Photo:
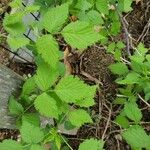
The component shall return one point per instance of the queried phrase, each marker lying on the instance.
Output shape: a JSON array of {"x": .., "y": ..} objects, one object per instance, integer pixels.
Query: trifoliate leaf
[
  {"x": 80, "y": 34},
  {"x": 133, "y": 112},
  {"x": 10, "y": 145},
  {"x": 13, "y": 24},
  {"x": 30, "y": 133},
  {"x": 72, "y": 89},
  {"x": 49, "y": 50},
  {"x": 102, "y": 6},
  {"x": 37, "y": 147},
  {"x": 54, "y": 18},
  {"x": 119, "y": 68},
  {"x": 92, "y": 144},
  {"x": 136, "y": 137},
  {"x": 46, "y": 105},
  {"x": 15, "y": 107},
  {"x": 17, "y": 42},
  {"x": 93, "y": 17},
  {"x": 79, "y": 121},
  {"x": 45, "y": 76},
  {"x": 131, "y": 78},
  {"x": 28, "y": 87}
]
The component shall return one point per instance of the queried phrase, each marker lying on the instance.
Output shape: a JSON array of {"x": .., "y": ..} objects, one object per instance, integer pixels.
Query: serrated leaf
[
  {"x": 10, "y": 145},
  {"x": 93, "y": 17},
  {"x": 30, "y": 133},
  {"x": 85, "y": 102},
  {"x": 37, "y": 147},
  {"x": 17, "y": 42},
  {"x": 54, "y": 18},
  {"x": 79, "y": 117},
  {"x": 122, "y": 121},
  {"x": 45, "y": 76},
  {"x": 32, "y": 118},
  {"x": 92, "y": 144},
  {"x": 102, "y": 6},
  {"x": 15, "y": 107},
  {"x": 72, "y": 89},
  {"x": 31, "y": 8},
  {"x": 13, "y": 24},
  {"x": 49, "y": 50},
  {"x": 15, "y": 4},
  {"x": 141, "y": 49},
  {"x": 28, "y": 87},
  {"x": 83, "y": 5},
  {"x": 133, "y": 112},
  {"x": 119, "y": 68},
  {"x": 136, "y": 137},
  {"x": 46, "y": 105},
  {"x": 125, "y": 5},
  {"x": 131, "y": 78},
  {"x": 80, "y": 34}
]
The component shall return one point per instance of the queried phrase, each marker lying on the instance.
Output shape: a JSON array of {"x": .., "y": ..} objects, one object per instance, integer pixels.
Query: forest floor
[{"x": 92, "y": 66}]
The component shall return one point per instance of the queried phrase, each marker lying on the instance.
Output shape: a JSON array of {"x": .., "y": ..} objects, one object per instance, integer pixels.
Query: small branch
[{"x": 144, "y": 100}]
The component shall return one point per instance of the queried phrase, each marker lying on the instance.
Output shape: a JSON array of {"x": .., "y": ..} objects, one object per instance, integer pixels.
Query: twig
[
  {"x": 125, "y": 30},
  {"x": 143, "y": 100},
  {"x": 107, "y": 124}
]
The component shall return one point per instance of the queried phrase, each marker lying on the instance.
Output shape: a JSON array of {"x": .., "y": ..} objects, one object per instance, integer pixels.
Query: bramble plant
[{"x": 65, "y": 98}]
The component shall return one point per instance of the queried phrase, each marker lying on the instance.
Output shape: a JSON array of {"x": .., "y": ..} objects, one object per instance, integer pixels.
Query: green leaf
[
  {"x": 136, "y": 137},
  {"x": 46, "y": 105},
  {"x": 10, "y": 145},
  {"x": 36, "y": 147},
  {"x": 15, "y": 108},
  {"x": 119, "y": 100},
  {"x": 131, "y": 78},
  {"x": 133, "y": 112},
  {"x": 17, "y": 42},
  {"x": 122, "y": 121},
  {"x": 92, "y": 17},
  {"x": 86, "y": 102},
  {"x": 55, "y": 18},
  {"x": 32, "y": 118},
  {"x": 119, "y": 68},
  {"x": 72, "y": 89},
  {"x": 45, "y": 76},
  {"x": 13, "y": 24},
  {"x": 141, "y": 49},
  {"x": 125, "y": 5},
  {"x": 49, "y": 50},
  {"x": 111, "y": 47},
  {"x": 28, "y": 87},
  {"x": 102, "y": 6},
  {"x": 80, "y": 34},
  {"x": 31, "y": 8},
  {"x": 30, "y": 133},
  {"x": 120, "y": 45},
  {"x": 79, "y": 117},
  {"x": 92, "y": 144},
  {"x": 83, "y": 5},
  {"x": 15, "y": 4}
]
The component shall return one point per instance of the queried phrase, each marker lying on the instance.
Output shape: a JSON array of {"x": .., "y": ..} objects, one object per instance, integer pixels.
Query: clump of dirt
[{"x": 139, "y": 22}]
